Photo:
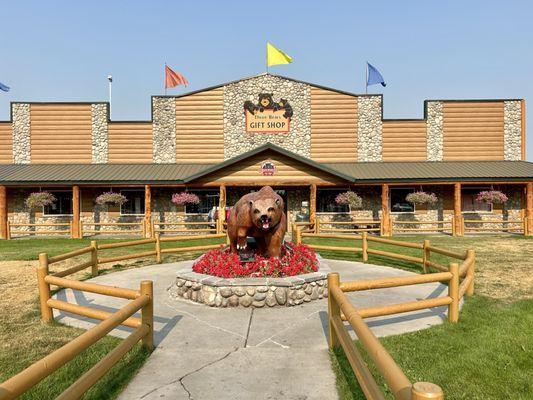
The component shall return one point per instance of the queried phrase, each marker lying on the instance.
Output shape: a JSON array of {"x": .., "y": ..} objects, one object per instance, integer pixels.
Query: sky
[{"x": 64, "y": 50}]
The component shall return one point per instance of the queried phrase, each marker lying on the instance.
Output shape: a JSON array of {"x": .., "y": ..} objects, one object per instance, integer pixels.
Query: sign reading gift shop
[{"x": 267, "y": 116}]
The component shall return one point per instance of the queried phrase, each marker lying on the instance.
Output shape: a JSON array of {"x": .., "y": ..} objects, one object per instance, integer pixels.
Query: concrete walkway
[{"x": 281, "y": 353}]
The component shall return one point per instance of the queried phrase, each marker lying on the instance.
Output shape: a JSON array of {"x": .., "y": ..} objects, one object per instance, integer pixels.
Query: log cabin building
[{"x": 307, "y": 141}]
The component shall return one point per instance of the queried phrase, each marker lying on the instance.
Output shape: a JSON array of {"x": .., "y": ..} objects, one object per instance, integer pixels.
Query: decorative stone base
[{"x": 252, "y": 292}]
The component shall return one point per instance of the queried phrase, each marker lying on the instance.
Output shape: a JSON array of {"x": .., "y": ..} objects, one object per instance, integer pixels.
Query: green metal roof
[{"x": 367, "y": 172}]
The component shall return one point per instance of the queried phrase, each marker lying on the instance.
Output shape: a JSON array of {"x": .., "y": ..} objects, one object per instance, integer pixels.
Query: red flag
[{"x": 173, "y": 78}]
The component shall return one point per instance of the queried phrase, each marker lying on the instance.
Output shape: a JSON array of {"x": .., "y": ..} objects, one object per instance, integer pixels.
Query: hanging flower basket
[
  {"x": 351, "y": 199},
  {"x": 111, "y": 198},
  {"x": 492, "y": 197},
  {"x": 421, "y": 197},
  {"x": 39, "y": 199},
  {"x": 183, "y": 198}
]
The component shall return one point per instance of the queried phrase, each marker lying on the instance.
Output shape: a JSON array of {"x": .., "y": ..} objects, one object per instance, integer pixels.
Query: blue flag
[
  {"x": 4, "y": 87},
  {"x": 374, "y": 77}
]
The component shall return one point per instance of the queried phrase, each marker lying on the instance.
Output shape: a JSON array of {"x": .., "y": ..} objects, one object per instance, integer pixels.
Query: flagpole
[
  {"x": 165, "y": 78},
  {"x": 266, "y": 58},
  {"x": 110, "y": 83},
  {"x": 366, "y": 78}
]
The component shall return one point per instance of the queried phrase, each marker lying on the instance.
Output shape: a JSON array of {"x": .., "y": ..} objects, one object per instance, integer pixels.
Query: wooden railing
[
  {"x": 415, "y": 226},
  {"x": 458, "y": 277},
  {"x": 38, "y": 229},
  {"x": 141, "y": 299},
  {"x": 521, "y": 228},
  {"x": 355, "y": 226},
  {"x": 200, "y": 227},
  {"x": 121, "y": 228}
]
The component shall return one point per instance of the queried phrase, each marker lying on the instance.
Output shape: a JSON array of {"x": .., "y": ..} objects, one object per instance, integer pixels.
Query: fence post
[
  {"x": 317, "y": 226},
  {"x": 453, "y": 226},
  {"x": 8, "y": 232},
  {"x": 453, "y": 292},
  {"x": 152, "y": 227},
  {"x": 365, "y": 246},
  {"x": 44, "y": 288},
  {"x": 471, "y": 271},
  {"x": 333, "y": 309},
  {"x": 426, "y": 391},
  {"x": 94, "y": 258},
  {"x": 426, "y": 256},
  {"x": 158, "y": 248},
  {"x": 147, "y": 313},
  {"x": 298, "y": 235},
  {"x": 143, "y": 227}
]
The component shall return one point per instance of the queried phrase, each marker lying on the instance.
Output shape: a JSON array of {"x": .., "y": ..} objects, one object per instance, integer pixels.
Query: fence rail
[
  {"x": 460, "y": 280},
  {"x": 140, "y": 225}
]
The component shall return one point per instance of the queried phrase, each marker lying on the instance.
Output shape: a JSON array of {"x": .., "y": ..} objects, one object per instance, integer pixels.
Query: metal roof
[{"x": 364, "y": 172}]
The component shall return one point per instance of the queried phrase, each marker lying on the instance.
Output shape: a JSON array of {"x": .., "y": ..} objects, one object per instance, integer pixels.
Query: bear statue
[{"x": 260, "y": 215}]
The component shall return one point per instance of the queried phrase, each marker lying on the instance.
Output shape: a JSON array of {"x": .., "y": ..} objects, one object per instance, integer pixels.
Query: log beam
[
  {"x": 75, "y": 212},
  {"x": 458, "y": 217},
  {"x": 385, "y": 210},
  {"x": 148, "y": 210},
  {"x": 221, "y": 207},
  {"x": 3, "y": 212},
  {"x": 529, "y": 208},
  {"x": 312, "y": 203}
]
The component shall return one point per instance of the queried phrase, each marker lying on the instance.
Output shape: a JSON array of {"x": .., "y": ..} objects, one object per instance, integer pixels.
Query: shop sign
[
  {"x": 267, "y": 116},
  {"x": 268, "y": 168}
]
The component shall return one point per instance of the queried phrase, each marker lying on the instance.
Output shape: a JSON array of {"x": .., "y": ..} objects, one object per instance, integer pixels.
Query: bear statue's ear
[
  {"x": 278, "y": 201},
  {"x": 251, "y": 203}
]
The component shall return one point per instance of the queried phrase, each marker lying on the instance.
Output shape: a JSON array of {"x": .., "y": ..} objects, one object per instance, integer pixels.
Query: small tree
[
  {"x": 492, "y": 197},
  {"x": 183, "y": 198},
  {"x": 111, "y": 198},
  {"x": 39, "y": 199},
  {"x": 349, "y": 198},
  {"x": 421, "y": 197}
]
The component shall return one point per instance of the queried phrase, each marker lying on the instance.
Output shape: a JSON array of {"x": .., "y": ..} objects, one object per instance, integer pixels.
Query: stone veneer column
[
  {"x": 434, "y": 131},
  {"x": 164, "y": 130},
  {"x": 512, "y": 130},
  {"x": 298, "y": 94},
  {"x": 100, "y": 141},
  {"x": 21, "y": 133},
  {"x": 369, "y": 129}
]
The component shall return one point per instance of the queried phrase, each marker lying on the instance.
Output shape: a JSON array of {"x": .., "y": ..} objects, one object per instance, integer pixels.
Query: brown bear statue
[{"x": 260, "y": 215}]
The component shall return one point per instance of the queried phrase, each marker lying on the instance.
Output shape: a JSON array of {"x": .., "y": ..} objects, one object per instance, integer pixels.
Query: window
[
  {"x": 208, "y": 200},
  {"x": 469, "y": 203},
  {"x": 63, "y": 205},
  {"x": 397, "y": 200},
  {"x": 325, "y": 201},
  {"x": 135, "y": 203}
]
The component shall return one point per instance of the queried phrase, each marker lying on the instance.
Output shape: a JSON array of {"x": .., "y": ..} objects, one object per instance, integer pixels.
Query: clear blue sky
[{"x": 63, "y": 51}]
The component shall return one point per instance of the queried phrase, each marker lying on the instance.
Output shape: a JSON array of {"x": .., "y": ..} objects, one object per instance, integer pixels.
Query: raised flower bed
[{"x": 219, "y": 279}]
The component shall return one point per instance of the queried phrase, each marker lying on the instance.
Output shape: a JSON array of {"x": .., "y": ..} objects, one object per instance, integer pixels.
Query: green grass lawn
[{"x": 489, "y": 353}]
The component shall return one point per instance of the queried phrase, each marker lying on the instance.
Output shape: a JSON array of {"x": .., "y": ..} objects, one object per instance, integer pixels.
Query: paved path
[{"x": 280, "y": 353}]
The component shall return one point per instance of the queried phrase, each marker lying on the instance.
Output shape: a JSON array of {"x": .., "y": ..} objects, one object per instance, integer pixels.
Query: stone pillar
[
  {"x": 312, "y": 203},
  {"x": 512, "y": 130},
  {"x": 457, "y": 215},
  {"x": 385, "y": 211},
  {"x": 369, "y": 129},
  {"x": 148, "y": 210},
  {"x": 99, "y": 134},
  {"x": 3, "y": 212},
  {"x": 434, "y": 131},
  {"x": 21, "y": 133},
  {"x": 164, "y": 130},
  {"x": 529, "y": 208},
  {"x": 75, "y": 212}
]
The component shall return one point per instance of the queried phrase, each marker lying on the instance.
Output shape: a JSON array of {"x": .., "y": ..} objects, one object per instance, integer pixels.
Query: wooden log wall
[
  {"x": 473, "y": 130},
  {"x": 6, "y": 143},
  {"x": 130, "y": 142},
  {"x": 61, "y": 133},
  {"x": 200, "y": 127},
  {"x": 404, "y": 140},
  {"x": 333, "y": 126}
]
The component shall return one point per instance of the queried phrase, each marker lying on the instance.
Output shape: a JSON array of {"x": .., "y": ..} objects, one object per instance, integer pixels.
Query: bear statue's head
[
  {"x": 267, "y": 211},
  {"x": 265, "y": 100}
]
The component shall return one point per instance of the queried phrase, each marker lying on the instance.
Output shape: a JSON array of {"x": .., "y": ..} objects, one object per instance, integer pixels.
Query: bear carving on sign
[{"x": 259, "y": 215}]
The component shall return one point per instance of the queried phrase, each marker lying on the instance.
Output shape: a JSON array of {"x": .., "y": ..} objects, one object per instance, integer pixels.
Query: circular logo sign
[{"x": 268, "y": 168}]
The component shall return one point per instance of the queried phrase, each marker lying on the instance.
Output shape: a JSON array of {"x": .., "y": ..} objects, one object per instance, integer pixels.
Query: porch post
[
  {"x": 222, "y": 207},
  {"x": 385, "y": 211},
  {"x": 312, "y": 204},
  {"x": 457, "y": 216},
  {"x": 529, "y": 208},
  {"x": 148, "y": 210},
  {"x": 75, "y": 212},
  {"x": 3, "y": 212}
]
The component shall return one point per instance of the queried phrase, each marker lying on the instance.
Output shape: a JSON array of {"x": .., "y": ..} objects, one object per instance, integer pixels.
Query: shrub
[
  {"x": 296, "y": 260},
  {"x": 349, "y": 198},
  {"x": 40, "y": 199},
  {"x": 183, "y": 198},
  {"x": 492, "y": 196},
  {"x": 421, "y": 197},
  {"x": 111, "y": 198}
]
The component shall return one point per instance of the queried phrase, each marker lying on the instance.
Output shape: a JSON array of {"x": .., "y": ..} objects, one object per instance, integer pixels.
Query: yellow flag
[{"x": 276, "y": 56}]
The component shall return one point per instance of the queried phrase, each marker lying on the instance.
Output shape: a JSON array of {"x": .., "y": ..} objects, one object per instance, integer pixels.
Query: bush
[
  {"x": 349, "y": 198},
  {"x": 183, "y": 198},
  {"x": 111, "y": 198},
  {"x": 40, "y": 199}
]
